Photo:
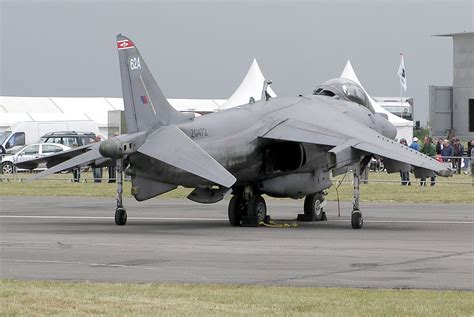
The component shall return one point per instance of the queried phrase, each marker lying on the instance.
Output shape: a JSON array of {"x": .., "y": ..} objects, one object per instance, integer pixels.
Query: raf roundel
[{"x": 124, "y": 44}]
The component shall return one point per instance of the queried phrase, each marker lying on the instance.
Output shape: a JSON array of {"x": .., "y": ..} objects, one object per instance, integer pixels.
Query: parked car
[
  {"x": 30, "y": 152},
  {"x": 69, "y": 138}
]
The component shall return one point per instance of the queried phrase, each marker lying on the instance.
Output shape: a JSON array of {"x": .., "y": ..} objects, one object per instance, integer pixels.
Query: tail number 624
[{"x": 135, "y": 63}]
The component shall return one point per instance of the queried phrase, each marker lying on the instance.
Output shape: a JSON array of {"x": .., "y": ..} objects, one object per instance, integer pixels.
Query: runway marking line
[
  {"x": 223, "y": 219},
  {"x": 81, "y": 263}
]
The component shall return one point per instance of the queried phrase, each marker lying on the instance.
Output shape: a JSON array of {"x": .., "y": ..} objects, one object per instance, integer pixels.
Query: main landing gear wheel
[
  {"x": 257, "y": 208},
  {"x": 313, "y": 211},
  {"x": 247, "y": 212},
  {"x": 237, "y": 208},
  {"x": 120, "y": 216},
  {"x": 356, "y": 219}
]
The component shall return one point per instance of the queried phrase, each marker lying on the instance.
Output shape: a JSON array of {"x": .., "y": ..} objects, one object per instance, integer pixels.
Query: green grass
[
  {"x": 382, "y": 187},
  {"x": 27, "y": 298}
]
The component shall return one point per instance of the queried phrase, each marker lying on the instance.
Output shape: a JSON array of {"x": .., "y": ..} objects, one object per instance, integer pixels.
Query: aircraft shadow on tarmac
[{"x": 181, "y": 227}]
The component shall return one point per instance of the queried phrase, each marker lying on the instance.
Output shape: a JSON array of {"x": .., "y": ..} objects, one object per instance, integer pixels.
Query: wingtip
[{"x": 230, "y": 182}]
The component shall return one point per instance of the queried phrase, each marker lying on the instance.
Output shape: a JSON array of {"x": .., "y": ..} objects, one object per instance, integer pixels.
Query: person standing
[
  {"x": 405, "y": 176},
  {"x": 469, "y": 159},
  {"x": 458, "y": 150},
  {"x": 111, "y": 166},
  {"x": 415, "y": 145},
  {"x": 97, "y": 171},
  {"x": 430, "y": 150},
  {"x": 447, "y": 152},
  {"x": 439, "y": 146},
  {"x": 76, "y": 171}
]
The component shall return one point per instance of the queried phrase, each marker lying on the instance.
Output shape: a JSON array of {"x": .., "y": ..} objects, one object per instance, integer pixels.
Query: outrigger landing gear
[
  {"x": 120, "y": 212},
  {"x": 313, "y": 208},
  {"x": 356, "y": 216},
  {"x": 246, "y": 209}
]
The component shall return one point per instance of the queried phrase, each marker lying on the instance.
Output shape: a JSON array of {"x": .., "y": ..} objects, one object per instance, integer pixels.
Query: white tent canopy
[
  {"x": 250, "y": 87},
  {"x": 404, "y": 127}
]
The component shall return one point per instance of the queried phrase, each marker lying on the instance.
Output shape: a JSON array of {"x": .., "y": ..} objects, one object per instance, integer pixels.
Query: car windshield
[{"x": 4, "y": 135}]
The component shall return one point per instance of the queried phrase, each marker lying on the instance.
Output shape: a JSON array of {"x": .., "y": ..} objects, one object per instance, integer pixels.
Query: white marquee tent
[{"x": 250, "y": 87}]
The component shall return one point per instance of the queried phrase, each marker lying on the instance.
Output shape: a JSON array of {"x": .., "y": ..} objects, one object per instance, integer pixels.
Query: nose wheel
[{"x": 356, "y": 216}]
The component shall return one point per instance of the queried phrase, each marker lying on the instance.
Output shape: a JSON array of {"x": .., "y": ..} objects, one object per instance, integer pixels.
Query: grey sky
[{"x": 202, "y": 49}]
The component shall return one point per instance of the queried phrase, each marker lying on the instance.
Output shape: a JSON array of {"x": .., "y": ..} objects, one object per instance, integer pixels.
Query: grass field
[
  {"x": 28, "y": 298},
  {"x": 381, "y": 187}
]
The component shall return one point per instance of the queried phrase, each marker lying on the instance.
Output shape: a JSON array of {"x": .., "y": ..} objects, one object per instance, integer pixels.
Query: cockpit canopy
[{"x": 344, "y": 89}]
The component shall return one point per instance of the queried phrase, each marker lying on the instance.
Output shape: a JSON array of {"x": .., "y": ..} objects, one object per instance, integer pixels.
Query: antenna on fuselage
[{"x": 265, "y": 94}]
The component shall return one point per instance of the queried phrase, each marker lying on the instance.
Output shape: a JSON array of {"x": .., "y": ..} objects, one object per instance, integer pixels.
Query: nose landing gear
[{"x": 356, "y": 216}]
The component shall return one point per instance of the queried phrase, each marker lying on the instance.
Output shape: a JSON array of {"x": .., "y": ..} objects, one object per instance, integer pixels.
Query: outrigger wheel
[
  {"x": 120, "y": 216},
  {"x": 356, "y": 219}
]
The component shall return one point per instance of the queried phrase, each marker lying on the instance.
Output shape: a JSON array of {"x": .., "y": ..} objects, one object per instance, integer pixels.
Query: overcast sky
[{"x": 202, "y": 49}]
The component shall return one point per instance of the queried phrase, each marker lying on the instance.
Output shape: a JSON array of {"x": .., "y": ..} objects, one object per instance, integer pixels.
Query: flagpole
[
  {"x": 401, "y": 91},
  {"x": 401, "y": 99}
]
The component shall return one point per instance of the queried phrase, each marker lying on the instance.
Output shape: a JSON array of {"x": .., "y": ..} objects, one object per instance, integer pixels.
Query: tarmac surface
[{"x": 402, "y": 245}]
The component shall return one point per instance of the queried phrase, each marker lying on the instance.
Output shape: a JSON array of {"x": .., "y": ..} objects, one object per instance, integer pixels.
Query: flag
[
  {"x": 402, "y": 74},
  {"x": 124, "y": 44}
]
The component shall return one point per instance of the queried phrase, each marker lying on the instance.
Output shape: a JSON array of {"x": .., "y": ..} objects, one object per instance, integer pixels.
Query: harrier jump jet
[{"x": 281, "y": 147}]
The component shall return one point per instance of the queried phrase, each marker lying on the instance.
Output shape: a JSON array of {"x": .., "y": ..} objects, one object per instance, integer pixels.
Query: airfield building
[{"x": 452, "y": 107}]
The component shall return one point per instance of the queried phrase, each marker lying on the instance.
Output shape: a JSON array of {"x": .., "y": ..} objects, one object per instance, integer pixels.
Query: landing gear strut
[
  {"x": 313, "y": 208},
  {"x": 120, "y": 212},
  {"x": 356, "y": 216},
  {"x": 246, "y": 209}
]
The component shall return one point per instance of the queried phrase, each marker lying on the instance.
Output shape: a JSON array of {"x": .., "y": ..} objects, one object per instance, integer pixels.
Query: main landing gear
[
  {"x": 120, "y": 212},
  {"x": 246, "y": 209}
]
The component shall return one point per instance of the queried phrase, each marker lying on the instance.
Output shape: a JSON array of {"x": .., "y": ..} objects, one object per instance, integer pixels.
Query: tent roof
[
  {"x": 349, "y": 73},
  {"x": 251, "y": 86}
]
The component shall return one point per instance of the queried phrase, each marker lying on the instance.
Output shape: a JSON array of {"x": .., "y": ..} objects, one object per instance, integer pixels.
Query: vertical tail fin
[{"x": 144, "y": 103}]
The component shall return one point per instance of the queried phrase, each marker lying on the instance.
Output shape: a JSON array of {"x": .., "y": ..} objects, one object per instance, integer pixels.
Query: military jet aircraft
[{"x": 281, "y": 147}]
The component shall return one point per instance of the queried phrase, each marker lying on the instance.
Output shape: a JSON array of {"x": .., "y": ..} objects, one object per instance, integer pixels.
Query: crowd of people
[{"x": 443, "y": 151}]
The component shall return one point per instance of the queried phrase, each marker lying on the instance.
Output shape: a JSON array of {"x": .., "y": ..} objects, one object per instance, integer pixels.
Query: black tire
[
  {"x": 257, "y": 208},
  {"x": 356, "y": 219},
  {"x": 7, "y": 168},
  {"x": 236, "y": 206},
  {"x": 312, "y": 206},
  {"x": 120, "y": 216}
]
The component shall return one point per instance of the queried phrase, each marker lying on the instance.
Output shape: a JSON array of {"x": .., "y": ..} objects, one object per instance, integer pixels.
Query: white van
[{"x": 28, "y": 132}]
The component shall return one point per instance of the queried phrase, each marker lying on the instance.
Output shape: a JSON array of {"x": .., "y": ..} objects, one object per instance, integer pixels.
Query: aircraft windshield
[{"x": 344, "y": 89}]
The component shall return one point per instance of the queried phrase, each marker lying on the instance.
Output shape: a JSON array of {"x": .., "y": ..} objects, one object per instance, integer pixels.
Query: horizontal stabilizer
[
  {"x": 170, "y": 145},
  {"x": 83, "y": 159}
]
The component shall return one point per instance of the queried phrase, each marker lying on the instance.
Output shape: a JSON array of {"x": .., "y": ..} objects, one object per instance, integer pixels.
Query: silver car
[{"x": 30, "y": 152}]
